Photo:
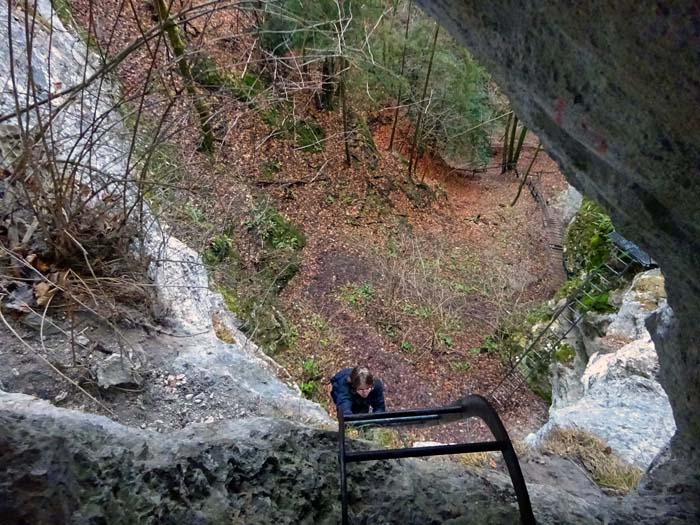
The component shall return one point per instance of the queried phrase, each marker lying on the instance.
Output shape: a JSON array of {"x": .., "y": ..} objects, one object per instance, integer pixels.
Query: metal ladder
[
  {"x": 538, "y": 354},
  {"x": 471, "y": 406}
]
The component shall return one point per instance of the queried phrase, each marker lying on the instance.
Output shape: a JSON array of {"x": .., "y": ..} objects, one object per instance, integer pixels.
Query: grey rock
[
  {"x": 241, "y": 371},
  {"x": 646, "y": 294},
  {"x": 615, "y": 393},
  {"x": 567, "y": 204},
  {"x": 116, "y": 370},
  {"x": 86, "y": 469},
  {"x": 606, "y": 86},
  {"x": 44, "y": 324}
]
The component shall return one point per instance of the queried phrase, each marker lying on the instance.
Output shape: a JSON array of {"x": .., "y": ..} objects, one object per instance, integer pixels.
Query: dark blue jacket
[{"x": 350, "y": 402}]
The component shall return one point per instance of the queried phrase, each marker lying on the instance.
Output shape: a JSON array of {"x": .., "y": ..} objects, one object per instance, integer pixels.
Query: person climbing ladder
[{"x": 355, "y": 391}]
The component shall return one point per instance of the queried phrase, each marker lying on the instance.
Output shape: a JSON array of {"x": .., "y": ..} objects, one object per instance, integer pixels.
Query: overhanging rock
[{"x": 611, "y": 89}]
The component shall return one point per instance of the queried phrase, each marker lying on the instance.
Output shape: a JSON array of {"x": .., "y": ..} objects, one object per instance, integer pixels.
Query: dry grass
[
  {"x": 489, "y": 459},
  {"x": 476, "y": 459},
  {"x": 383, "y": 437},
  {"x": 606, "y": 469}
]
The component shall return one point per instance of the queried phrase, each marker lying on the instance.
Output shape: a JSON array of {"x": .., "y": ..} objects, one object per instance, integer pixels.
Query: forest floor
[
  {"x": 409, "y": 277},
  {"x": 487, "y": 260}
]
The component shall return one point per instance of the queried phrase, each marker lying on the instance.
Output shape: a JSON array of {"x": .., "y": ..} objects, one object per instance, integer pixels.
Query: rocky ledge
[{"x": 64, "y": 466}]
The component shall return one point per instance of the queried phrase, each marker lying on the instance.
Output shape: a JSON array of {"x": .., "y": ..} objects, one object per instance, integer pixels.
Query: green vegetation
[
  {"x": 512, "y": 337},
  {"x": 463, "y": 366},
  {"x": 357, "y": 294},
  {"x": 273, "y": 229},
  {"x": 587, "y": 245},
  {"x": 65, "y": 15},
  {"x": 597, "y": 302},
  {"x": 419, "y": 292},
  {"x": 564, "y": 353},
  {"x": 63, "y": 12},
  {"x": 269, "y": 168},
  {"x": 371, "y": 68},
  {"x": 208, "y": 75},
  {"x": 321, "y": 332},
  {"x": 514, "y": 334},
  {"x": 250, "y": 286},
  {"x": 382, "y": 437},
  {"x": 310, "y": 377},
  {"x": 309, "y": 135},
  {"x": 220, "y": 249}
]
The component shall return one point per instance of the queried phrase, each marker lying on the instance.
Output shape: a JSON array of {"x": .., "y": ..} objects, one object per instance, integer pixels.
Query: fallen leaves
[{"x": 44, "y": 292}]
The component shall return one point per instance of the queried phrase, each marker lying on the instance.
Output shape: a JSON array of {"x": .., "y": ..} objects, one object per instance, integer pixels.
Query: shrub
[
  {"x": 273, "y": 229},
  {"x": 564, "y": 353},
  {"x": 597, "y": 302},
  {"x": 309, "y": 135},
  {"x": 220, "y": 249},
  {"x": 311, "y": 374},
  {"x": 587, "y": 245},
  {"x": 208, "y": 75}
]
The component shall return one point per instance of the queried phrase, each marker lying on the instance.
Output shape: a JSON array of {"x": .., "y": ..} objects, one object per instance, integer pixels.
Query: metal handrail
[
  {"x": 621, "y": 249},
  {"x": 470, "y": 406}
]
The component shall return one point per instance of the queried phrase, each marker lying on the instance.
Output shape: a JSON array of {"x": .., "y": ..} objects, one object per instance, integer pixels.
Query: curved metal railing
[{"x": 471, "y": 406}]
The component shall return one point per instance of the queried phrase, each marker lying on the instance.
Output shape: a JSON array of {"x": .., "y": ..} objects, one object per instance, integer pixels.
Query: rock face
[
  {"x": 616, "y": 394},
  {"x": 62, "y": 466},
  {"x": 607, "y": 87}
]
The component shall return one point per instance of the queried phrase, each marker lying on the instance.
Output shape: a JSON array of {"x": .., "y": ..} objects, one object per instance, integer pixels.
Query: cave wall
[{"x": 612, "y": 89}]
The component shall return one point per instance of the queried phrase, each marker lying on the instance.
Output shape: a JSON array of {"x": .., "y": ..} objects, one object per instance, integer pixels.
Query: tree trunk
[
  {"x": 344, "y": 106},
  {"x": 527, "y": 173},
  {"x": 511, "y": 143},
  {"x": 519, "y": 147},
  {"x": 403, "y": 65},
  {"x": 327, "y": 84},
  {"x": 504, "y": 154},
  {"x": 416, "y": 135},
  {"x": 178, "y": 47}
]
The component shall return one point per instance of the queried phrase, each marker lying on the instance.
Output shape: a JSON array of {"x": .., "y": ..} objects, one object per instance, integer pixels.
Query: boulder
[{"x": 607, "y": 87}]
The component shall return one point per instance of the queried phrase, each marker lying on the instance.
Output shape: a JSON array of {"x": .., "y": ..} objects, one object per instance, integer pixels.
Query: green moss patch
[
  {"x": 244, "y": 88},
  {"x": 587, "y": 245}
]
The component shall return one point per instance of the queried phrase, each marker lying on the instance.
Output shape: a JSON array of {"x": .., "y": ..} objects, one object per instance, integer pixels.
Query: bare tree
[{"x": 417, "y": 133}]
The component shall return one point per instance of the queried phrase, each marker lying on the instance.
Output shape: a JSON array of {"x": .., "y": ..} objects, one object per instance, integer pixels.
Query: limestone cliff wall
[
  {"x": 611, "y": 387},
  {"x": 62, "y": 466},
  {"x": 87, "y": 131}
]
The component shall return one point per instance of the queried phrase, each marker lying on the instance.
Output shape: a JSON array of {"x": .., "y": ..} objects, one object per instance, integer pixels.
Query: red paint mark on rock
[
  {"x": 559, "y": 108},
  {"x": 601, "y": 145}
]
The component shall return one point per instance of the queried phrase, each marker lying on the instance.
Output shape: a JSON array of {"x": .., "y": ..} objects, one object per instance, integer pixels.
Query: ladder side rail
[{"x": 343, "y": 468}]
